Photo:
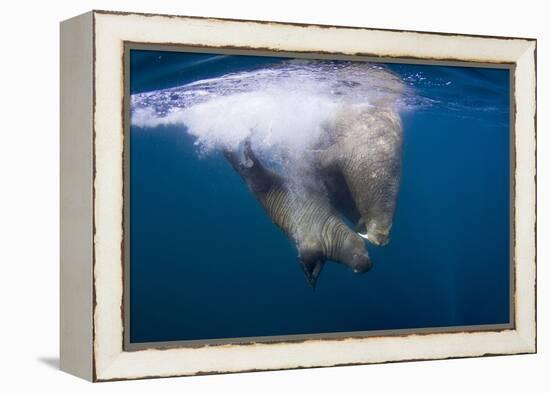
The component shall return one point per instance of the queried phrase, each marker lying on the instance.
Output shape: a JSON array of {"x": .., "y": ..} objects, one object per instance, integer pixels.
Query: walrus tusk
[{"x": 365, "y": 236}]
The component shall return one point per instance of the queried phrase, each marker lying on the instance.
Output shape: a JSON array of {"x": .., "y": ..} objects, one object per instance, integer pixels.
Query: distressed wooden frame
[{"x": 92, "y": 194}]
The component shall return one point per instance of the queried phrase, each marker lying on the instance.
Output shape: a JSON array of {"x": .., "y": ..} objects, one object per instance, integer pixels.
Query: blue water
[{"x": 207, "y": 262}]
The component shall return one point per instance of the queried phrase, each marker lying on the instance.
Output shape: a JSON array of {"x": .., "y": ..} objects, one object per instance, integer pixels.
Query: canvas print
[{"x": 275, "y": 198}]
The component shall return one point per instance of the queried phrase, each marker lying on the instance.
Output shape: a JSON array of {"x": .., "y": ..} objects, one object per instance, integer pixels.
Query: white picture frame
[{"x": 92, "y": 194}]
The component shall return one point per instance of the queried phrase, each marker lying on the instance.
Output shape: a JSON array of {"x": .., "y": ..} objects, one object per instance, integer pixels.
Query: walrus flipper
[
  {"x": 247, "y": 164},
  {"x": 312, "y": 260}
]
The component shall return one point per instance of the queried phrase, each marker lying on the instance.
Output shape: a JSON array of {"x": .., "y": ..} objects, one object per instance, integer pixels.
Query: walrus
[
  {"x": 306, "y": 217},
  {"x": 362, "y": 168}
]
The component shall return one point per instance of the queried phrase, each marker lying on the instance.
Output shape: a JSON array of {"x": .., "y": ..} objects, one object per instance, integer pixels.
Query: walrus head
[
  {"x": 376, "y": 234},
  {"x": 354, "y": 254}
]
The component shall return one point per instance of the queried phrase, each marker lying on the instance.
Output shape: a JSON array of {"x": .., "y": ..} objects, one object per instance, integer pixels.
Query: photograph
[
  {"x": 280, "y": 197},
  {"x": 210, "y": 196}
]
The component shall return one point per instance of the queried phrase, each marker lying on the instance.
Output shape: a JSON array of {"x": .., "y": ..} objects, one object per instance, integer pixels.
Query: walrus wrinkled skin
[
  {"x": 365, "y": 156},
  {"x": 306, "y": 217}
]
